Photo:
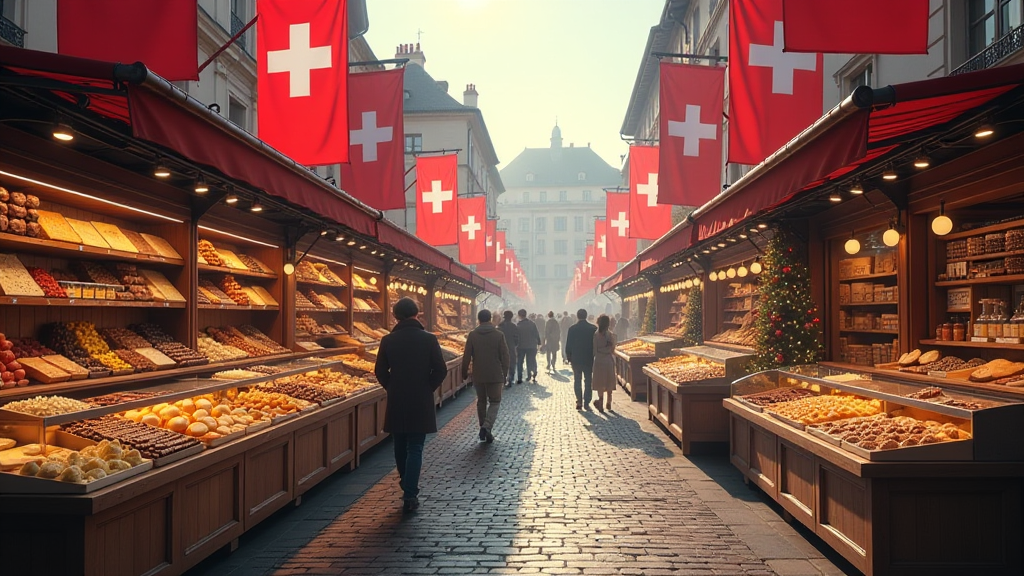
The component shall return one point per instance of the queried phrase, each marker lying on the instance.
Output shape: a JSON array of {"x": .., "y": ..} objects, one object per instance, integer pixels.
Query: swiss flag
[
  {"x": 603, "y": 267},
  {"x": 500, "y": 255},
  {"x": 437, "y": 180},
  {"x": 773, "y": 94},
  {"x": 650, "y": 216},
  {"x": 588, "y": 261},
  {"x": 472, "y": 236},
  {"x": 376, "y": 172},
  {"x": 162, "y": 34},
  {"x": 872, "y": 27},
  {"x": 621, "y": 248},
  {"x": 302, "y": 79},
  {"x": 691, "y": 133},
  {"x": 490, "y": 237}
]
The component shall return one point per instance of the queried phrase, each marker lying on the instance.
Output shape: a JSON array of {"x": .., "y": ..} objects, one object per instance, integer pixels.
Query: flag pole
[{"x": 229, "y": 43}]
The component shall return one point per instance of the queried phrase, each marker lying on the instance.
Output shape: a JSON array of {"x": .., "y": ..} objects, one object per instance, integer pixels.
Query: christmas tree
[
  {"x": 649, "y": 324},
  {"x": 788, "y": 327},
  {"x": 693, "y": 318}
]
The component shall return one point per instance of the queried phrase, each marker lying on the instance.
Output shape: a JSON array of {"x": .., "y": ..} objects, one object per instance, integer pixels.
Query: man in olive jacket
[
  {"x": 410, "y": 367},
  {"x": 511, "y": 332},
  {"x": 579, "y": 349},
  {"x": 487, "y": 351}
]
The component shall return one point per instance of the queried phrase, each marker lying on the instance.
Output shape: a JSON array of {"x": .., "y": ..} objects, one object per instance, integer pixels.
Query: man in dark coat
[
  {"x": 579, "y": 349},
  {"x": 529, "y": 341},
  {"x": 511, "y": 332},
  {"x": 410, "y": 367}
]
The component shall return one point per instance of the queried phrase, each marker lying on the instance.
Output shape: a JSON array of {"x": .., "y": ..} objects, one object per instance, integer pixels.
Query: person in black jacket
[
  {"x": 579, "y": 349},
  {"x": 511, "y": 332},
  {"x": 410, "y": 367},
  {"x": 529, "y": 341}
]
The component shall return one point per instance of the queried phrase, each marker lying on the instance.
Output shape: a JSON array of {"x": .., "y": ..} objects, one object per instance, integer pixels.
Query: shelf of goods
[
  {"x": 630, "y": 358},
  {"x": 737, "y": 313},
  {"x": 676, "y": 315},
  {"x": 199, "y": 461},
  {"x": 452, "y": 316},
  {"x": 322, "y": 302},
  {"x": 897, "y": 476},
  {"x": 685, "y": 393},
  {"x": 866, "y": 315}
]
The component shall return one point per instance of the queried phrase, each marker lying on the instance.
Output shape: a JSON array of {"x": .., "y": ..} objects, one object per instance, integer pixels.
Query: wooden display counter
[
  {"x": 629, "y": 374},
  {"x": 897, "y": 518},
  {"x": 169, "y": 519}
]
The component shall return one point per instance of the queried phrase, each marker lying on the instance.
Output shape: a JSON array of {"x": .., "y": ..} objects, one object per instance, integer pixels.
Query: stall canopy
[
  {"x": 867, "y": 126},
  {"x": 158, "y": 112}
]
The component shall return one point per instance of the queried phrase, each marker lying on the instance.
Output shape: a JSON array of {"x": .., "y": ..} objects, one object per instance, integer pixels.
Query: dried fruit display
[
  {"x": 216, "y": 351},
  {"x": 306, "y": 272},
  {"x": 166, "y": 344},
  {"x": 272, "y": 403},
  {"x": 361, "y": 284},
  {"x": 355, "y": 361},
  {"x": 11, "y": 371},
  {"x": 819, "y": 409},
  {"x": 26, "y": 348},
  {"x": 93, "y": 272},
  {"x": 214, "y": 292},
  {"x": 253, "y": 264},
  {"x": 137, "y": 361},
  {"x": 51, "y": 289}
]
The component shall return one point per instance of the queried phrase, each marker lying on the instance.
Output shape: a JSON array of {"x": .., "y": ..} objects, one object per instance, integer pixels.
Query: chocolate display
[{"x": 151, "y": 442}]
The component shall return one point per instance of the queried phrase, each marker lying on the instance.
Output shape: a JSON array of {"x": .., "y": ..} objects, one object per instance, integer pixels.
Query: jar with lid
[
  {"x": 981, "y": 322},
  {"x": 959, "y": 330},
  {"x": 998, "y": 318},
  {"x": 947, "y": 331}
]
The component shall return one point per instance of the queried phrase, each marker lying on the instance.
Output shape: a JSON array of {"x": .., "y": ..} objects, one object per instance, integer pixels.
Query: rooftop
[{"x": 559, "y": 166}]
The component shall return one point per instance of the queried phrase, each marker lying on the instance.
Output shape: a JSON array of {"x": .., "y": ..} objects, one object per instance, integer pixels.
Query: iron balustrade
[
  {"x": 236, "y": 26},
  {"x": 11, "y": 32},
  {"x": 995, "y": 53}
]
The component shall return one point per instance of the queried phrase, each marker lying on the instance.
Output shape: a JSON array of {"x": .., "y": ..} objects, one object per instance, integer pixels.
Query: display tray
[
  {"x": 786, "y": 421},
  {"x": 223, "y": 439},
  {"x": 817, "y": 433},
  {"x": 749, "y": 405},
  {"x": 14, "y": 483},
  {"x": 73, "y": 442},
  {"x": 954, "y": 450},
  {"x": 258, "y": 426}
]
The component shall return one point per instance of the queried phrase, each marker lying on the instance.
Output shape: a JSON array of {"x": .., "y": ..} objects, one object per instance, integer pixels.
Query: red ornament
[
  {"x": 808, "y": 326},
  {"x": 816, "y": 320},
  {"x": 786, "y": 269},
  {"x": 775, "y": 279},
  {"x": 779, "y": 358},
  {"x": 778, "y": 333}
]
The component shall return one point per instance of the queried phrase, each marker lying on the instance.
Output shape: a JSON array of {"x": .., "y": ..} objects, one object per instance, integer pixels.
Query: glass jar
[
  {"x": 981, "y": 322},
  {"x": 959, "y": 331},
  {"x": 947, "y": 331}
]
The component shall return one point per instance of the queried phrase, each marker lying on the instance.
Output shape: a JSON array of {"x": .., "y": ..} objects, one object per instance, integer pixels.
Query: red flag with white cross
[
  {"x": 302, "y": 79},
  {"x": 500, "y": 255},
  {"x": 437, "y": 179},
  {"x": 603, "y": 267},
  {"x": 375, "y": 173},
  {"x": 691, "y": 133},
  {"x": 650, "y": 216},
  {"x": 487, "y": 267},
  {"x": 873, "y": 27},
  {"x": 773, "y": 94},
  {"x": 472, "y": 236},
  {"x": 621, "y": 248}
]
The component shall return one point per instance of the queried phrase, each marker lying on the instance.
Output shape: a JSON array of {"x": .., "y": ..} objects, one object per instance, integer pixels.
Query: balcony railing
[
  {"x": 236, "y": 26},
  {"x": 995, "y": 53},
  {"x": 10, "y": 32}
]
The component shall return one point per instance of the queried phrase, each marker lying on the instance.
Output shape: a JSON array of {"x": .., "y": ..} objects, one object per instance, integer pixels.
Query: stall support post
[
  {"x": 386, "y": 297},
  {"x": 430, "y": 314}
]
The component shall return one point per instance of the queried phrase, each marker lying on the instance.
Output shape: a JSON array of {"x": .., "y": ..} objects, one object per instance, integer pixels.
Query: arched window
[{"x": 581, "y": 176}]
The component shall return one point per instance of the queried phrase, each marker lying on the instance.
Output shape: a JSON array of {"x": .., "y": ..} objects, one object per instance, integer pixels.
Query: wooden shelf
[
  {"x": 893, "y": 303},
  {"x": 738, "y": 310},
  {"x": 984, "y": 230},
  {"x": 893, "y": 332},
  {"x": 1004, "y": 279},
  {"x": 237, "y": 307},
  {"x": 368, "y": 311},
  {"x": 958, "y": 344},
  {"x": 992, "y": 256},
  {"x": 368, "y": 291},
  {"x": 12, "y": 243},
  {"x": 742, "y": 295},
  {"x": 328, "y": 310},
  {"x": 206, "y": 268},
  {"x": 868, "y": 277},
  {"x": 318, "y": 283},
  {"x": 84, "y": 303}
]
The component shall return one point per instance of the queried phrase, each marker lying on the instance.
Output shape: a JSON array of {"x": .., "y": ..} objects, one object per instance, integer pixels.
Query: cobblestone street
[{"x": 559, "y": 492}]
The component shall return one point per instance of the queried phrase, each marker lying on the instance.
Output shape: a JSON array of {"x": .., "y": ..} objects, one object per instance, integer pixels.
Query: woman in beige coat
[{"x": 604, "y": 364}]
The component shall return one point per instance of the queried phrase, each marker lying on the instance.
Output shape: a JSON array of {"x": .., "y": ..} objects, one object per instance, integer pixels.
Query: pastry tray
[
  {"x": 224, "y": 439},
  {"x": 257, "y": 426},
  {"x": 749, "y": 405},
  {"x": 14, "y": 483},
  {"x": 962, "y": 450},
  {"x": 823, "y": 436},
  {"x": 787, "y": 421},
  {"x": 67, "y": 440}
]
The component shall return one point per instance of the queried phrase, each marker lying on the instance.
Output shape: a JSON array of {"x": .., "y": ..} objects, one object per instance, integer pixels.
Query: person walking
[
  {"x": 529, "y": 341},
  {"x": 409, "y": 367},
  {"x": 604, "y": 363},
  {"x": 552, "y": 341},
  {"x": 511, "y": 332},
  {"x": 579, "y": 348},
  {"x": 623, "y": 326},
  {"x": 564, "y": 325},
  {"x": 487, "y": 351}
]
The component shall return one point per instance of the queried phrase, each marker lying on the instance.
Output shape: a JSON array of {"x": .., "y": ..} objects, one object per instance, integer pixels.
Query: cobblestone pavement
[{"x": 559, "y": 492}]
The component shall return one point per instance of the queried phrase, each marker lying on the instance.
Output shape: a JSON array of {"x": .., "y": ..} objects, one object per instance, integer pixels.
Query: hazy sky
[{"x": 531, "y": 60}]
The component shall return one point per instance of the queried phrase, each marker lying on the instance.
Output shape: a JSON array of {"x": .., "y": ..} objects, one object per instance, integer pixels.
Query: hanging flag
[
  {"x": 472, "y": 236},
  {"x": 486, "y": 267},
  {"x": 302, "y": 79},
  {"x": 649, "y": 216},
  {"x": 162, "y": 34},
  {"x": 375, "y": 174},
  {"x": 437, "y": 179},
  {"x": 773, "y": 95},
  {"x": 872, "y": 27},
  {"x": 500, "y": 256},
  {"x": 691, "y": 133},
  {"x": 621, "y": 248},
  {"x": 603, "y": 267},
  {"x": 588, "y": 261}
]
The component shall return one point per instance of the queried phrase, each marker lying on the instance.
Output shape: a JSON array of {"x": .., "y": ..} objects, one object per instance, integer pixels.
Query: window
[
  {"x": 7, "y": 9},
  {"x": 541, "y": 271},
  {"x": 524, "y": 248},
  {"x": 862, "y": 77},
  {"x": 561, "y": 271},
  {"x": 529, "y": 177},
  {"x": 990, "y": 20},
  {"x": 563, "y": 196},
  {"x": 561, "y": 247},
  {"x": 540, "y": 224},
  {"x": 237, "y": 113},
  {"x": 578, "y": 247},
  {"x": 413, "y": 143},
  {"x": 560, "y": 224},
  {"x": 524, "y": 224},
  {"x": 539, "y": 250},
  {"x": 526, "y": 196},
  {"x": 579, "y": 224},
  {"x": 581, "y": 176},
  {"x": 543, "y": 196},
  {"x": 586, "y": 196}
]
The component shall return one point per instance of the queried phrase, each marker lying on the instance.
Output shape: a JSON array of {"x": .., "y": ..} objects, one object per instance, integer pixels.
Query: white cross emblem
[
  {"x": 370, "y": 135},
  {"x": 602, "y": 246},
  {"x": 436, "y": 197},
  {"x": 471, "y": 227},
  {"x": 650, "y": 189},
  {"x": 590, "y": 264},
  {"x": 621, "y": 224},
  {"x": 299, "y": 59},
  {"x": 489, "y": 241},
  {"x": 692, "y": 131},
  {"x": 499, "y": 252},
  {"x": 783, "y": 64}
]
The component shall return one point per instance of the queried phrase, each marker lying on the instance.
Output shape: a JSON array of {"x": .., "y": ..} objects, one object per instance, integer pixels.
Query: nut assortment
[
  {"x": 301, "y": 390},
  {"x": 118, "y": 338},
  {"x": 820, "y": 409},
  {"x": 776, "y": 396},
  {"x": 882, "y": 432},
  {"x": 681, "y": 369},
  {"x": 253, "y": 264},
  {"x": 272, "y": 403},
  {"x": 151, "y": 442},
  {"x": 636, "y": 347},
  {"x": 121, "y": 397},
  {"x": 43, "y": 406},
  {"x": 946, "y": 364},
  {"x": 216, "y": 351}
]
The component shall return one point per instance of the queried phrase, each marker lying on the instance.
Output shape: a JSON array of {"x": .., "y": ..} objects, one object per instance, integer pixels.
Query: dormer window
[
  {"x": 581, "y": 176},
  {"x": 529, "y": 177}
]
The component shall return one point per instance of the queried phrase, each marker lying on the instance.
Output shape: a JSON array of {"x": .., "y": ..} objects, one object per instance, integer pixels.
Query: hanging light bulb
[
  {"x": 289, "y": 269},
  {"x": 721, "y": 274},
  {"x": 713, "y": 276},
  {"x": 756, "y": 267},
  {"x": 857, "y": 189},
  {"x": 256, "y": 207},
  {"x": 835, "y": 198},
  {"x": 742, "y": 271},
  {"x": 231, "y": 199},
  {"x": 891, "y": 237},
  {"x": 942, "y": 225},
  {"x": 730, "y": 273},
  {"x": 63, "y": 132},
  {"x": 696, "y": 282},
  {"x": 984, "y": 131},
  {"x": 762, "y": 226},
  {"x": 889, "y": 175},
  {"x": 852, "y": 245},
  {"x": 161, "y": 171},
  {"x": 201, "y": 186},
  {"x": 688, "y": 284},
  {"x": 922, "y": 162}
]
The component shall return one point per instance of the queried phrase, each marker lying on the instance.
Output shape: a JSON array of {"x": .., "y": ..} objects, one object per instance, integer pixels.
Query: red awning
[
  {"x": 678, "y": 239},
  {"x": 395, "y": 237}
]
